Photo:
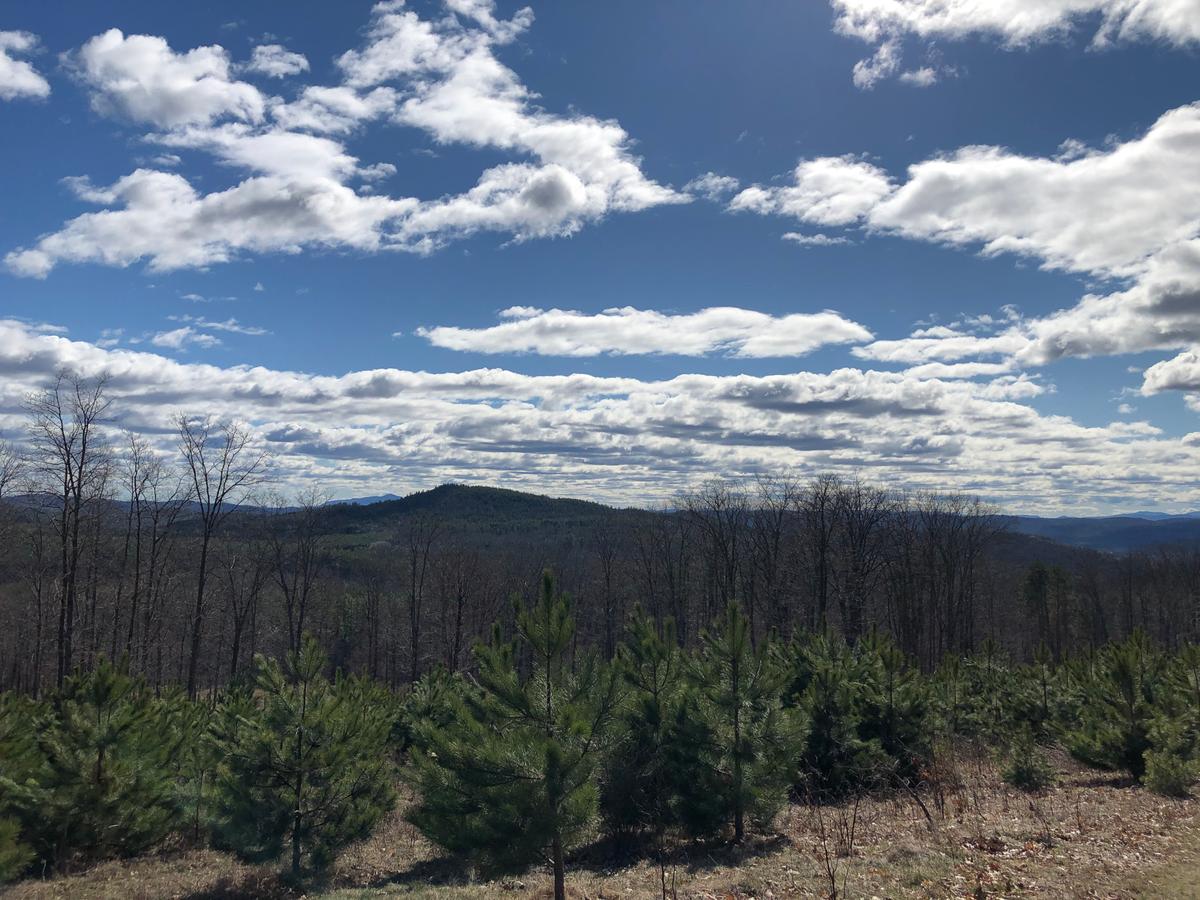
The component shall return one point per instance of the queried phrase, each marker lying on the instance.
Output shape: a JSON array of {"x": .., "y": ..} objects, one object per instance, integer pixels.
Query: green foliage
[
  {"x": 659, "y": 774},
  {"x": 303, "y": 762},
  {"x": 196, "y": 760},
  {"x": 737, "y": 688},
  {"x": 831, "y": 688},
  {"x": 1169, "y": 774},
  {"x": 15, "y": 855},
  {"x": 104, "y": 783},
  {"x": 431, "y": 701},
  {"x": 1026, "y": 766},
  {"x": 1124, "y": 695},
  {"x": 867, "y": 714},
  {"x": 508, "y": 779}
]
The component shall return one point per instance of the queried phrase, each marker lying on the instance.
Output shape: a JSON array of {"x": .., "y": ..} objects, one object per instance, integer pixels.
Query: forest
[{"x": 189, "y": 655}]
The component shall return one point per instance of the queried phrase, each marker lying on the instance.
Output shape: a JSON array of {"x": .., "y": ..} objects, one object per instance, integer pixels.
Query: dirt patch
[{"x": 1091, "y": 836}]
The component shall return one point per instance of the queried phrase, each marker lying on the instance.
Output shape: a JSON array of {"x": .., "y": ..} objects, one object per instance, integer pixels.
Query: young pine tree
[
  {"x": 104, "y": 785},
  {"x": 659, "y": 774},
  {"x": 18, "y": 763},
  {"x": 837, "y": 754},
  {"x": 896, "y": 707},
  {"x": 737, "y": 688},
  {"x": 509, "y": 780},
  {"x": 305, "y": 762},
  {"x": 1127, "y": 694}
]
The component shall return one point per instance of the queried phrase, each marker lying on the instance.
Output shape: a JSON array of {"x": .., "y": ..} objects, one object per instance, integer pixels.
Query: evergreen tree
[
  {"x": 104, "y": 784},
  {"x": 18, "y": 762},
  {"x": 836, "y": 756},
  {"x": 304, "y": 762},
  {"x": 896, "y": 708},
  {"x": 1127, "y": 693},
  {"x": 738, "y": 691},
  {"x": 510, "y": 780},
  {"x": 15, "y": 855},
  {"x": 430, "y": 701},
  {"x": 659, "y": 774}
]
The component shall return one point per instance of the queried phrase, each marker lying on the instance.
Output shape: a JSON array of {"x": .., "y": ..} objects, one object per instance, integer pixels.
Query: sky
[{"x": 611, "y": 250}]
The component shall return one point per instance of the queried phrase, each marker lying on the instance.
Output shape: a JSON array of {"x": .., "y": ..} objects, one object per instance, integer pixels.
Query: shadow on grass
[
  {"x": 605, "y": 856},
  {"x": 602, "y": 857},
  {"x": 428, "y": 872}
]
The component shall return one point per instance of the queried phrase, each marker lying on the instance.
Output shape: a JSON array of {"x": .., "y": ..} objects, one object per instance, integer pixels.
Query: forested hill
[
  {"x": 495, "y": 508},
  {"x": 1114, "y": 533},
  {"x": 501, "y": 509}
]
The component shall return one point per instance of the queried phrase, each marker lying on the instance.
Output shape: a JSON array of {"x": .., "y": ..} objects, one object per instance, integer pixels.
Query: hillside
[
  {"x": 1112, "y": 533},
  {"x": 497, "y": 510}
]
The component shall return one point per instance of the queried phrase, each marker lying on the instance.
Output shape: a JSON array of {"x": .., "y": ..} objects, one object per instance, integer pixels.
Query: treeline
[
  {"x": 547, "y": 746},
  {"x": 188, "y": 564}
]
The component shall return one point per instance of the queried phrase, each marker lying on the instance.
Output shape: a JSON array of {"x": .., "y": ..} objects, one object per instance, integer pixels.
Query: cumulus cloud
[
  {"x": 161, "y": 218},
  {"x": 830, "y": 190},
  {"x": 276, "y": 61},
  {"x": 439, "y": 75},
  {"x": 625, "y": 439},
  {"x": 18, "y": 78},
  {"x": 1105, "y": 212},
  {"x": 625, "y": 331},
  {"x": 1016, "y": 23},
  {"x": 1128, "y": 213},
  {"x": 1019, "y": 22},
  {"x": 139, "y": 76},
  {"x": 712, "y": 186}
]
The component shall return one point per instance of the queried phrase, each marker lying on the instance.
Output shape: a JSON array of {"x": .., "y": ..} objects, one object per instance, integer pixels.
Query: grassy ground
[{"x": 1090, "y": 836}]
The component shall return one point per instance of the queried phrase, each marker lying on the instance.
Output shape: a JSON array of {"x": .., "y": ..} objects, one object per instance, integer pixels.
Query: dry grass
[{"x": 1091, "y": 836}]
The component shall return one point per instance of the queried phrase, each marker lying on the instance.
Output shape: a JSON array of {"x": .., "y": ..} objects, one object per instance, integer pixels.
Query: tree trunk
[
  {"x": 198, "y": 620},
  {"x": 560, "y": 881}
]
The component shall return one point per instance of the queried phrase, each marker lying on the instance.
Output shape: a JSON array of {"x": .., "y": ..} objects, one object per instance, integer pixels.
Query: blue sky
[{"x": 940, "y": 246}]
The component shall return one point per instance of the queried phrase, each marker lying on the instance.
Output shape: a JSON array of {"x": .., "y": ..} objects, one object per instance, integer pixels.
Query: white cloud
[
  {"x": 276, "y": 61},
  {"x": 631, "y": 440},
  {"x": 815, "y": 240},
  {"x": 1019, "y": 22},
  {"x": 141, "y": 77},
  {"x": 1129, "y": 212},
  {"x": 1102, "y": 212},
  {"x": 18, "y": 78},
  {"x": 883, "y": 64},
  {"x": 623, "y": 331},
  {"x": 576, "y": 169},
  {"x": 334, "y": 110},
  {"x": 181, "y": 338},
  {"x": 926, "y": 76},
  {"x": 712, "y": 186},
  {"x": 162, "y": 218},
  {"x": 884, "y": 23},
  {"x": 831, "y": 190},
  {"x": 233, "y": 326}
]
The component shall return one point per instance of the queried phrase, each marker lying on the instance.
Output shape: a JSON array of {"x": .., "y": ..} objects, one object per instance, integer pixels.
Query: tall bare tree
[
  {"x": 298, "y": 552},
  {"x": 418, "y": 537},
  {"x": 222, "y": 467},
  {"x": 70, "y": 465}
]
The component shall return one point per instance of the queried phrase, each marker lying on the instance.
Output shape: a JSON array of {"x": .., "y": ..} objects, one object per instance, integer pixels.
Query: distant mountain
[
  {"x": 365, "y": 501},
  {"x": 1112, "y": 533},
  {"x": 494, "y": 509},
  {"x": 504, "y": 511},
  {"x": 1159, "y": 516}
]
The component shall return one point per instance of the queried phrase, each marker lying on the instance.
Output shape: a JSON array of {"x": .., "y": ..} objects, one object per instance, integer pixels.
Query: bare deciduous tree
[
  {"x": 222, "y": 467},
  {"x": 70, "y": 466}
]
